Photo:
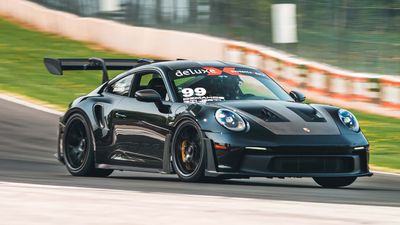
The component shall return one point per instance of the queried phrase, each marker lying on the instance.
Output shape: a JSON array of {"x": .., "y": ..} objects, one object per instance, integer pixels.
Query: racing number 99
[{"x": 189, "y": 92}]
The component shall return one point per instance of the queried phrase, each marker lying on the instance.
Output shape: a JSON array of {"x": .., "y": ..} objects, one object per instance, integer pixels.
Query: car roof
[{"x": 183, "y": 64}]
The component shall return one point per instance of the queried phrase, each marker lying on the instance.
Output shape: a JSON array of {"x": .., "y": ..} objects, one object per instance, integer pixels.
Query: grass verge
[
  {"x": 22, "y": 72},
  {"x": 383, "y": 134}
]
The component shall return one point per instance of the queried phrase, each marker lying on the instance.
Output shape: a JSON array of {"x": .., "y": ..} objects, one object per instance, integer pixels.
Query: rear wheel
[
  {"x": 334, "y": 182},
  {"x": 188, "y": 152},
  {"x": 78, "y": 148}
]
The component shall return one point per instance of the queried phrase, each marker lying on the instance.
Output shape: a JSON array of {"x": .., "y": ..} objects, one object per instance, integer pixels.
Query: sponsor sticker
[
  {"x": 197, "y": 95},
  {"x": 193, "y": 72},
  {"x": 212, "y": 71},
  {"x": 189, "y": 92},
  {"x": 203, "y": 99}
]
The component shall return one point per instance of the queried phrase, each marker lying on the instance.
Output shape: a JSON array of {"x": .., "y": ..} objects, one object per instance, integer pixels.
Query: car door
[
  {"x": 104, "y": 112},
  {"x": 140, "y": 128}
]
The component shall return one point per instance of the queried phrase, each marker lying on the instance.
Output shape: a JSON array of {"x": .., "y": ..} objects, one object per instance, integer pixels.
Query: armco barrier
[
  {"x": 340, "y": 85},
  {"x": 323, "y": 80},
  {"x": 365, "y": 88},
  {"x": 270, "y": 66},
  {"x": 235, "y": 54},
  {"x": 317, "y": 79},
  {"x": 390, "y": 92},
  {"x": 366, "y": 92},
  {"x": 292, "y": 72}
]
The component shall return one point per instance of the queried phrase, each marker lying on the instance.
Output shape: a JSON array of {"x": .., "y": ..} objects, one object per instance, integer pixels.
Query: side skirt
[{"x": 128, "y": 168}]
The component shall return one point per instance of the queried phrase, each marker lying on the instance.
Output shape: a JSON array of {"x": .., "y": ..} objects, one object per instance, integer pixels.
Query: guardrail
[
  {"x": 380, "y": 93},
  {"x": 319, "y": 79}
]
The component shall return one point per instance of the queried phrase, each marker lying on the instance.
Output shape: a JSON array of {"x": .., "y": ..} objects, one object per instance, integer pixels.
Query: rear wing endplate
[{"x": 57, "y": 66}]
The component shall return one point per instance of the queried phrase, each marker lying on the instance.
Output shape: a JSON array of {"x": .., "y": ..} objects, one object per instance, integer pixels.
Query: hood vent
[
  {"x": 266, "y": 114},
  {"x": 308, "y": 114}
]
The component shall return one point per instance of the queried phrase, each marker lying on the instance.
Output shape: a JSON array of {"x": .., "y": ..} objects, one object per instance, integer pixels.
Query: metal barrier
[
  {"x": 318, "y": 78},
  {"x": 390, "y": 92}
]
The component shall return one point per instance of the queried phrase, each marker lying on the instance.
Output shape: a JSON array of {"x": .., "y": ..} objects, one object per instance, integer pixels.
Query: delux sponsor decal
[
  {"x": 212, "y": 71},
  {"x": 191, "y": 72}
]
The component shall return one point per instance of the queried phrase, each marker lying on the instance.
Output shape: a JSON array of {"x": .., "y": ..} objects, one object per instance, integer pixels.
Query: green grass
[
  {"x": 383, "y": 134},
  {"x": 22, "y": 71}
]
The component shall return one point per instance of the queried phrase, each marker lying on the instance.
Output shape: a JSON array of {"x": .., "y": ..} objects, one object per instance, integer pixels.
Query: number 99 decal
[{"x": 189, "y": 92}]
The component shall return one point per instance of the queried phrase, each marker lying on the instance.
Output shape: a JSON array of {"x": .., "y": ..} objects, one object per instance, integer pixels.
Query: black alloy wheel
[
  {"x": 188, "y": 152},
  {"x": 78, "y": 148}
]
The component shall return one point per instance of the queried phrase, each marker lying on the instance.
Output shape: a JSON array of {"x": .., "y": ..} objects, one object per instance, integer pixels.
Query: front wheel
[
  {"x": 334, "y": 182},
  {"x": 188, "y": 154},
  {"x": 79, "y": 150}
]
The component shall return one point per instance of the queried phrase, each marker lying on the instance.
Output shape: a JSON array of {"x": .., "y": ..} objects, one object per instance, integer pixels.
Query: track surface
[{"x": 28, "y": 143}]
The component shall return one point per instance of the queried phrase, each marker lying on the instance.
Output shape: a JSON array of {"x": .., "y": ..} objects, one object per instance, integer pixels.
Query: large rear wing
[{"x": 57, "y": 66}]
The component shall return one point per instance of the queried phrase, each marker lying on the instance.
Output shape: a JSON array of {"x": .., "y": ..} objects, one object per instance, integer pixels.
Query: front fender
[{"x": 202, "y": 114}]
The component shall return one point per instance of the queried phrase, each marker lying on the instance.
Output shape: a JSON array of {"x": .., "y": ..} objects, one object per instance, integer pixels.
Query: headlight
[
  {"x": 349, "y": 120},
  {"x": 230, "y": 120}
]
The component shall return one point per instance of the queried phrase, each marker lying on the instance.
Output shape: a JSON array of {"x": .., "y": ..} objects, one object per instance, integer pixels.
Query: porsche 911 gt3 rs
[{"x": 204, "y": 120}]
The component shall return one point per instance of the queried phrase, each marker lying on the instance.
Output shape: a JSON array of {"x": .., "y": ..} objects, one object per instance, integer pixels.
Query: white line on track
[
  {"x": 29, "y": 104},
  {"x": 386, "y": 173},
  {"x": 45, "y": 204}
]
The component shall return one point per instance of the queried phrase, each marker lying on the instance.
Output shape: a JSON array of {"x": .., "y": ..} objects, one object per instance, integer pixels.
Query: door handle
[{"x": 119, "y": 115}]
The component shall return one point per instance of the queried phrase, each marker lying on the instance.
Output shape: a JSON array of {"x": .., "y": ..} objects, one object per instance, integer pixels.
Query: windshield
[{"x": 224, "y": 84}]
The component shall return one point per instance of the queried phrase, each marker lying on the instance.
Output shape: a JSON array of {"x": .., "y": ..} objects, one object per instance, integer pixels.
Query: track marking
[
  {"x": 24, "y": 203},
  {"x": 29, "y": 104},
  {"x": 386, "y": 173}
]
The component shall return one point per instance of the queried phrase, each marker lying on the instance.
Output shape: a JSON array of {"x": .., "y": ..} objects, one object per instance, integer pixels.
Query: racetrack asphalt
[{"x": 28, "y": 144}]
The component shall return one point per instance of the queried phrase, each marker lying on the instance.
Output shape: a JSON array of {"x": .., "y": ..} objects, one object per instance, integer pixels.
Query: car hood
[{"x": 285, "y": 118}]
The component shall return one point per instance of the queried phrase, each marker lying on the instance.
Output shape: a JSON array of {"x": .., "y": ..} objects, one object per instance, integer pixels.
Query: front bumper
[{"x": 242, "y": 160}]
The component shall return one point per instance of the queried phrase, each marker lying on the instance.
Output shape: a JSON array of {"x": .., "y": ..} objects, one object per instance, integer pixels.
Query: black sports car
[{"x": 204, "y": 120}]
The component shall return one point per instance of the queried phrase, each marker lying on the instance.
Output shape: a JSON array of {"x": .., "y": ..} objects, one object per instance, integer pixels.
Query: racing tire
[
  {"x": 334, "y": 182},
  {"x": 79, "y": 149},
  {"x": 188, "y": 152}
]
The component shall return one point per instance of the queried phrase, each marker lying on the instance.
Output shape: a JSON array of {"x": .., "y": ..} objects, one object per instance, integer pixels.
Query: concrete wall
[
  {"x": 123, "y": 38},
  {"x": 369, "y": 92}
]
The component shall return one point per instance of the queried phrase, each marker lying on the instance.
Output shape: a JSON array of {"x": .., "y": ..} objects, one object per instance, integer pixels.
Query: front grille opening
[{"x": 312, "y": 164}]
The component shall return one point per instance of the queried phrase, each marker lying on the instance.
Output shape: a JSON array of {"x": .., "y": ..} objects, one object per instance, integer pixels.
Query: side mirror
[
  {"x": 148, "y": 95},
  {"x": 297, "y": 96}
]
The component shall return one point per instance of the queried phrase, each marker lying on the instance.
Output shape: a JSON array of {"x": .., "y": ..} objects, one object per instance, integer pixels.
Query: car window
[
  {"x": 146, "y": 78},
  {"x": 225, "y": 84},
  {"x": 121, "y": 87},
  {"x": 151, "y": 81},
  {"x": 251, "y": 86}
]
